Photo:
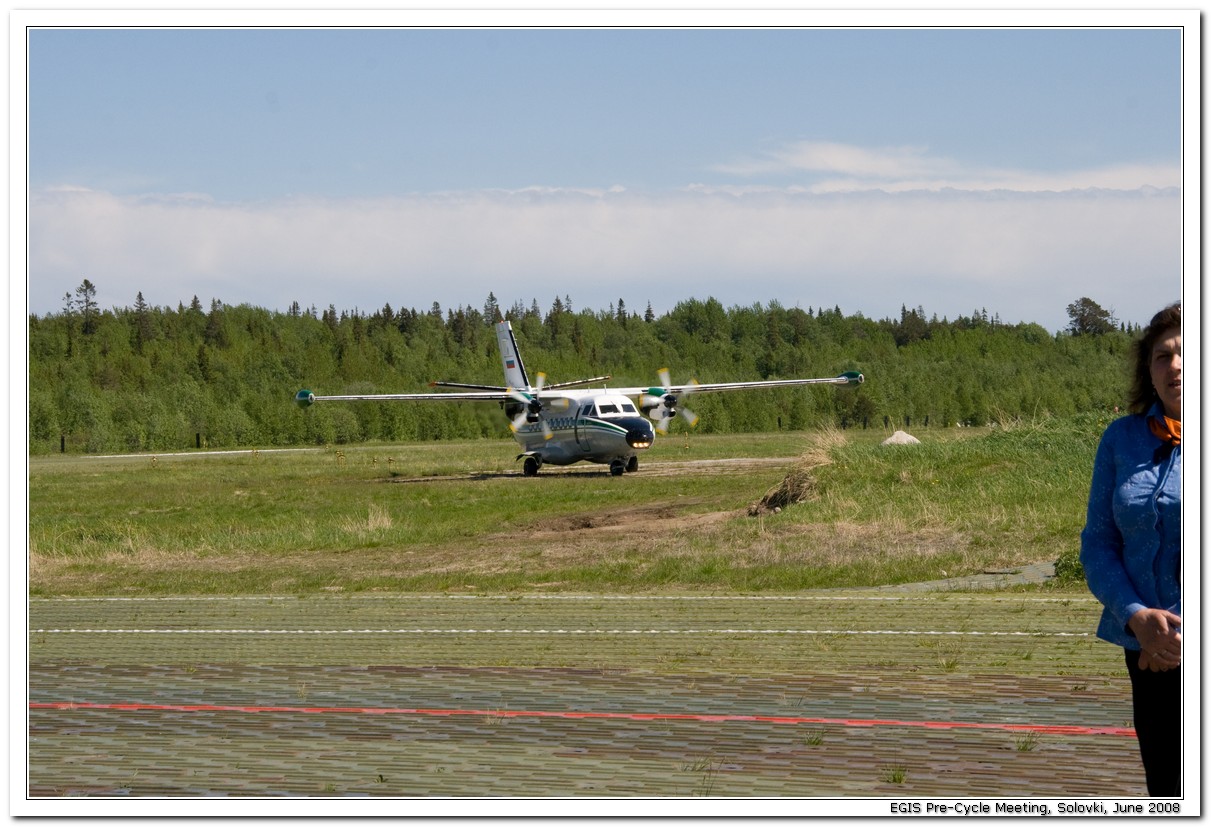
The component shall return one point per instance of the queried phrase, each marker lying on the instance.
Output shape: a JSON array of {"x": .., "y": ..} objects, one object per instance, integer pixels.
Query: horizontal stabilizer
[
  {"x": 502, "y": 389},
  {"x": 464, "y": 386},
  {"x": 579, "y": 382}
]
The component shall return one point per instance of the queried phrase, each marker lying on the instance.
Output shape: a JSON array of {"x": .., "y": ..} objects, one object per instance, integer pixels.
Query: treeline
[{"x": 149, "y": 378}]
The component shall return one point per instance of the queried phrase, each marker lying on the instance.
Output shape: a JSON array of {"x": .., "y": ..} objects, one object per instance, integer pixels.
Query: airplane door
[{"x": 582, "y": 433}]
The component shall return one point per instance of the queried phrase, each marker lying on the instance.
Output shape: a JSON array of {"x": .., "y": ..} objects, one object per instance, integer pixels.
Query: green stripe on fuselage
[{"x": 567, "y": 423}]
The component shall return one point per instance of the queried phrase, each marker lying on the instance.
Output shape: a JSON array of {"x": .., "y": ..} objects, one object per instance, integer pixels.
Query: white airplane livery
[{"x": 565, "y": 423}]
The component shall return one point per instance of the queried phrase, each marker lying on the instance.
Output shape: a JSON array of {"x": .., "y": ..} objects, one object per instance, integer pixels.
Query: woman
[{"x": 1131, "y": 545}]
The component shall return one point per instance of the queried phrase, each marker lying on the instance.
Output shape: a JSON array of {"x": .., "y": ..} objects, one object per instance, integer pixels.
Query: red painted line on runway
[{"x": 1042, "y": 729}]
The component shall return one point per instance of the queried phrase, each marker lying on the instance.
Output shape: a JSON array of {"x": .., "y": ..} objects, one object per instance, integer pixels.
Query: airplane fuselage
[{"x": 596, "y": 426}]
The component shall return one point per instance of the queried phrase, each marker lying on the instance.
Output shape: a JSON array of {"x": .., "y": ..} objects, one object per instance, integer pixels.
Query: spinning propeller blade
[
  {"x": 532, "y": 407},
  {"x": 669, "y": 405}
]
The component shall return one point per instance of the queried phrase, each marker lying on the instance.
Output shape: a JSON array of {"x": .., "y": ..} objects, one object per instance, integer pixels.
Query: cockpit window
[
  {"x": 627, "y": 407},
  {"x": 607, "y": 408}
]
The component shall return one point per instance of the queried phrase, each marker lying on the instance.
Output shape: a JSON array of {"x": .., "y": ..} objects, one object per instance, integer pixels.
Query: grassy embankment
[{"x": 458, "y": 516}]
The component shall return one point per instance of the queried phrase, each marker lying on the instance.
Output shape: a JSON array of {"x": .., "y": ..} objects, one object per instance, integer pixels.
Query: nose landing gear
[{"x": 628, "y": 465}]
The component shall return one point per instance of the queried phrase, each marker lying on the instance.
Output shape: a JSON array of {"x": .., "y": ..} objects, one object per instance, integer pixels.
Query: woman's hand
[
  {"x": 1147, "y": 664},
  {"x": 1160, "y": 637}
]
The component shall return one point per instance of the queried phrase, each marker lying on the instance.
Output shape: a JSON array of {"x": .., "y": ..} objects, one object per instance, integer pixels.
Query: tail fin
[{"x": 515, "y": 372}]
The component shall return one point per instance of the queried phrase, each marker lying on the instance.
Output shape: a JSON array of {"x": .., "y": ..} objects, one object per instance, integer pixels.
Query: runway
[{"x": 827, "y": 694}]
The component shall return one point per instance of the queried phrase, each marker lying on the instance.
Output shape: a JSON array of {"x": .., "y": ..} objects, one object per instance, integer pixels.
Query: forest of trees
[{"x": 146, "y": 378}]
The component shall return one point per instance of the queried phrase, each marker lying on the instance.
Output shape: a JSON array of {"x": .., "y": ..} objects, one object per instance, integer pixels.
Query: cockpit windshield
[{"x": 620, "y": 406}]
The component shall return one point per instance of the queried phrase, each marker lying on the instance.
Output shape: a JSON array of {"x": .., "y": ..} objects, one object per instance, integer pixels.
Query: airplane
[{"x": 557, "y": 425}]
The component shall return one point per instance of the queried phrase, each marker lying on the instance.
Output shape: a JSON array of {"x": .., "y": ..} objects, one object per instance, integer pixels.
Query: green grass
[
  {"x": 1026, "y": 742},
  {"x": 894, "y": 773},
  {"x": 457, "y": 516}
]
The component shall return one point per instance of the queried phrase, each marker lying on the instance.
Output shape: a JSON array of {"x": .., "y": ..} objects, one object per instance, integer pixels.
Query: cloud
[
  {"x": 1022, "y": 255},
  {"x": 835, "y": 167},
  {"x": 894, "y": 163}
]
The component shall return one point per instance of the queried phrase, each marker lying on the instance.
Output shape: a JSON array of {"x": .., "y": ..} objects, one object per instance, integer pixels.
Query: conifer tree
[
  {"x": 143, "y": 328},
  {"x": 491, "y": 309},
  {"x": 87, "y": 303},
  {"x": 1088, "y": 318}
]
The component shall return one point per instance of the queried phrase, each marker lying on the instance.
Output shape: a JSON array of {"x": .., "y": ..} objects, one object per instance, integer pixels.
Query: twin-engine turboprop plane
[{"x": 557, "y": 425}]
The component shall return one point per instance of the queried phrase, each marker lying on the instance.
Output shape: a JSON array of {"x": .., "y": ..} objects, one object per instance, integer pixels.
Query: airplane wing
[
  {"x": 663, "y": 402},
  {"x": 306, "y": 398},
  {"x": 848, "y": 378},
  {"x": 528, "y": 404}
]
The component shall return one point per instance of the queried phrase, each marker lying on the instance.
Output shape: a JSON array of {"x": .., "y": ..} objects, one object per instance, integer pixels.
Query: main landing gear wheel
[
  {"x": 632, "y": 465},
  {"x": 617, "y": 467},
  {"x": 530, "y": 466}
]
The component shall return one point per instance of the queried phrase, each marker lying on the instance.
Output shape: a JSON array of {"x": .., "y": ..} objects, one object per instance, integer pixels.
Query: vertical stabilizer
[{"x": 515, "y": 372}]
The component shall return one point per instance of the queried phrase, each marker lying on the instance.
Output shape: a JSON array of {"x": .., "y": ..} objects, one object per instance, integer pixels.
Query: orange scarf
[{"x": 1168, "y": 431}]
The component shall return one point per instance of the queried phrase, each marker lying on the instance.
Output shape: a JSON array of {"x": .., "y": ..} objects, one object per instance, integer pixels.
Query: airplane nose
[{"x": 641, "y": 436}]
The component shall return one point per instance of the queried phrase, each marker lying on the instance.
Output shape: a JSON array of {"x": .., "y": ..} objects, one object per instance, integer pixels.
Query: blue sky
[{"x": 1011, "y": 169}]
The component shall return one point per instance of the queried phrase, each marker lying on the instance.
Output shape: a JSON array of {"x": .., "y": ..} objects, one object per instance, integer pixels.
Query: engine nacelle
[
  {"x": 658, "y": 408},
  {"x": 531, "y": 409}
]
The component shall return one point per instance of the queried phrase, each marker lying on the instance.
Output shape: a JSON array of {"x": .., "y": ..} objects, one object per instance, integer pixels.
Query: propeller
[
  {"x": 532, "y": 407},
  {"x": 662, "y": 406}
]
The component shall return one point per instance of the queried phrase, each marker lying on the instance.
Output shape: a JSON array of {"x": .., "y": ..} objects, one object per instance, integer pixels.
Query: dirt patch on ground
[
  {"x": 672, "y": 468},
  {"x": 628, "y": 521}
]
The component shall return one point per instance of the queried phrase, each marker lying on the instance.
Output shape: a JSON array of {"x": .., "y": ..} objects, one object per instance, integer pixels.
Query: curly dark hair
[{"x": 1142, "y": 395}]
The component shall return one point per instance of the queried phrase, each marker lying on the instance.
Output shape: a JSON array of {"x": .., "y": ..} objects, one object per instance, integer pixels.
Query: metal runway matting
[{"x": 865, "y": 694}]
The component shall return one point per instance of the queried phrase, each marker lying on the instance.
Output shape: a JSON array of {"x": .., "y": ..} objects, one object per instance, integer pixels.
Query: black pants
[{"x": 1156, "y": 698}]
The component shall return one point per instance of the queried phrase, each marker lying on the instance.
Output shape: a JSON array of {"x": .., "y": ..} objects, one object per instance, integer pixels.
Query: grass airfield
[
  {"x": 459, "y": 516},
  {"x": 421, "y": 620}
]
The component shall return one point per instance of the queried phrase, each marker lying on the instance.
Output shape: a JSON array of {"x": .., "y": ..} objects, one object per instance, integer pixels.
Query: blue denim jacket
[{"x": 1131, "y": 545}]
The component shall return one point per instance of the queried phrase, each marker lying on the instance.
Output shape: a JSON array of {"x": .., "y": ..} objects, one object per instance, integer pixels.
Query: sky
[{"x": 955, "y": 169}]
